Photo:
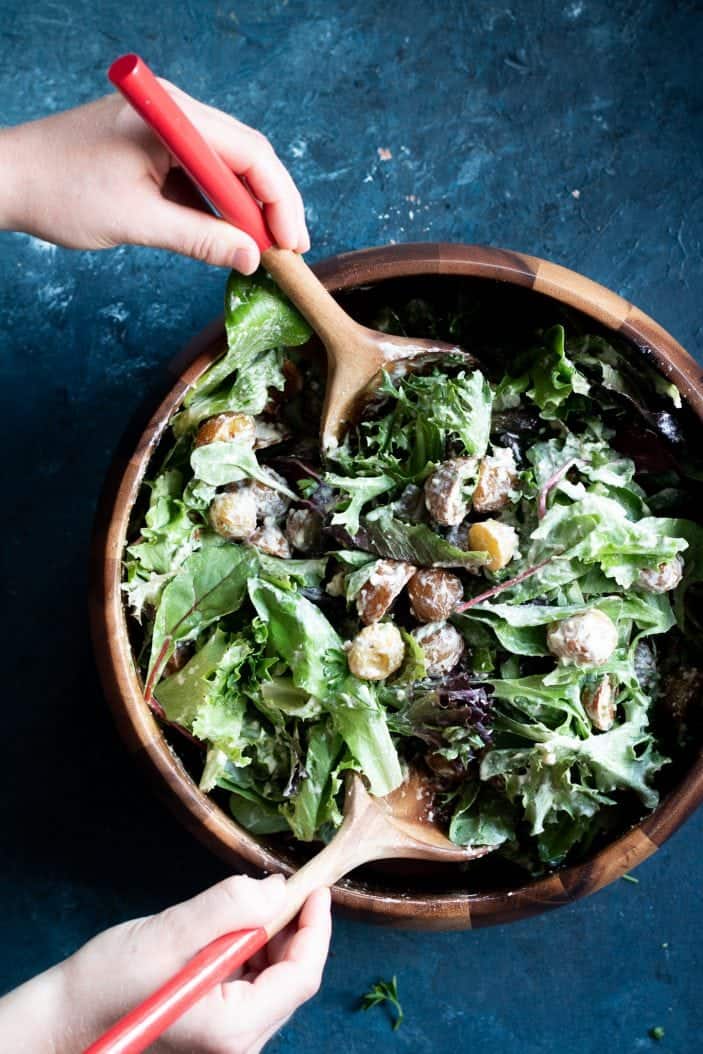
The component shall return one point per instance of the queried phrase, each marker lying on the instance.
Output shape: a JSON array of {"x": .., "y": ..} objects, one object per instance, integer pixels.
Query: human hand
[
  {"x": 119, "y": 968},
  {"x": 97, "y": 176}
]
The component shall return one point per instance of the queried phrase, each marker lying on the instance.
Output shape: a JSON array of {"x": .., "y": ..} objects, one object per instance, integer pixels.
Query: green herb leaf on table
[{"x": 384, "y": 992}]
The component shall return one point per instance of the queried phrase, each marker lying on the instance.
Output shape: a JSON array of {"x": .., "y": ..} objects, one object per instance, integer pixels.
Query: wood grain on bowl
[{"x": 451, "y": 899}]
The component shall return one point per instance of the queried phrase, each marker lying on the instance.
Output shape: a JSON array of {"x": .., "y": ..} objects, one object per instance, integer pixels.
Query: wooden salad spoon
[
  {"x": 400, "y": 825},
  {"x": 355, "y": 354}
]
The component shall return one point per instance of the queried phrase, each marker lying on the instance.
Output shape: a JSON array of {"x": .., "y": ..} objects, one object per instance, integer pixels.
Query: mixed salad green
[{"x": 477, "y": 581}]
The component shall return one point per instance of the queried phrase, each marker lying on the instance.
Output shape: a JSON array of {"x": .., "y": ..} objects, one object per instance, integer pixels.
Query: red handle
[
  {"x": 223, "y": 189},
  {"x": 216, "y": 962}
]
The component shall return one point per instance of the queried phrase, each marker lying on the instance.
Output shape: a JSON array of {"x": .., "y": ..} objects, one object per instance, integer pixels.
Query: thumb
[
  {"x": 191, "y": 232},
  {"x": 237, "y": 903}
]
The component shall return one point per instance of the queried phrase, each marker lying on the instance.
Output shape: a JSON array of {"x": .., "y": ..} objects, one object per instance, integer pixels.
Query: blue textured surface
[{"x": 571, "y": 130}]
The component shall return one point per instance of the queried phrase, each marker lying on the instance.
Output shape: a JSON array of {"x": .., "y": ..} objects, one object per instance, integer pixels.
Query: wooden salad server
[
  {"x": 355, "y": 354},
  {"x": 397, "y": 826}
]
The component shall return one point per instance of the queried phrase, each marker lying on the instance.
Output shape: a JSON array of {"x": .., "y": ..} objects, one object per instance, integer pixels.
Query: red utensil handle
[
  {"x": 223, "y": 189},
  {"x": 217, "y": 961}
]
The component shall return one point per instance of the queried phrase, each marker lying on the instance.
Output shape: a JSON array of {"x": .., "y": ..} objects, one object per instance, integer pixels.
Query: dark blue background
[{"x": 571, "y": 130}]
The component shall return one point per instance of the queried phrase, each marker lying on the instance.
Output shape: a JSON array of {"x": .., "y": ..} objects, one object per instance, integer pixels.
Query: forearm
[
  {"x": 34, "y": 1018},
  {"x": 14, "y": 177}
]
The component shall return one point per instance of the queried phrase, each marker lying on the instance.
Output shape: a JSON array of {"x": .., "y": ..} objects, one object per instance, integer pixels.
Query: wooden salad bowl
[{"x": 443, "y": 896}]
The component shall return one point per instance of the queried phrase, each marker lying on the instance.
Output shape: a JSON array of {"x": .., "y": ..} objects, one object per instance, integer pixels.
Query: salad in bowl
[{"x": 494, "y": 577}]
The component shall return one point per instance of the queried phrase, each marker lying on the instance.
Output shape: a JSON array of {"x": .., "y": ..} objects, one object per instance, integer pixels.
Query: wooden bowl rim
[{"x": 141, "y": 732}]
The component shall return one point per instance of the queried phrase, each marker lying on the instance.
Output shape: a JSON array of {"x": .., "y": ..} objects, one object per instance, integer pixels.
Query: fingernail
[{"x": 245, "y": 261}]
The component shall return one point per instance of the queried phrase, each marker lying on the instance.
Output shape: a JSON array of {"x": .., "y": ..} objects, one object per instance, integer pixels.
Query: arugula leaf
[
  {"x": 208, "y": 585},
  {"x": 384, "y": 992},
  {"x": 428, "y": 411},
  {"x": 258, "y": 320},
  {"x": 567, "y": 774},
  {"x": 566, "y": 770}
]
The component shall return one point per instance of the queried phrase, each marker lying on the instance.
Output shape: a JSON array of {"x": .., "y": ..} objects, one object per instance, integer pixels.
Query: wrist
[{"x": 14, "y": 178}]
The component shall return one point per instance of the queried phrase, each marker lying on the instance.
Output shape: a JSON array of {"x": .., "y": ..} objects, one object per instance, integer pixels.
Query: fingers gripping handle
[
  {"x": 214, "y": 964},
  {"x": 222, "y": 188}
]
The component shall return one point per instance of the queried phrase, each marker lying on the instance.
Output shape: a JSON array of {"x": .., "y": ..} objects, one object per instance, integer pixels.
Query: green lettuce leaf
[
  {"x": 567, "y": 774},
  {"x": 257, "y": 815},
  {"x": 259, "y": 320},
  {"x": 315, "y": 803},
  {"x": 301, "y": 635},
  {"x": 417, "y": 543},
  {"x": 307, "y": 573},
  {"x": 167, "y": 536},
  {"x": 314, "y": 651},
  {"x": 481, "y": 817},
  {"x": 547, "y": 376},
  {"x": 522, "y": 628},
  {"x": 220, "y": 463},
  {"x": 362, "y": 724},
  {"x": 183, "y": 694},
  {"x": 360, "y": 492}
]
